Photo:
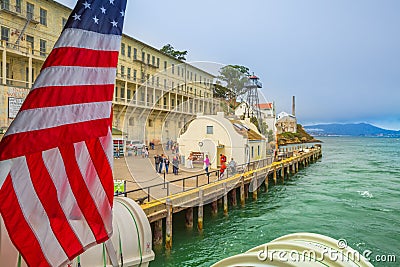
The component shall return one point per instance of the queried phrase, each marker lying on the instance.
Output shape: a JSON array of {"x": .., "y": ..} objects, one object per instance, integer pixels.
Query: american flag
[{"x": 56, "y": 185}]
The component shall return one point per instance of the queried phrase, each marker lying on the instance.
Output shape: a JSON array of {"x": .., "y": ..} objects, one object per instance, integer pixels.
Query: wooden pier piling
[
  {"x": 189, "y": 218},
  {"x": 200, "y": 211},
  {"x": 234, "y": 197},
  {"x": 157, "y": 233},
  {"x": 225, "y": 200},
  {"x": 168, "y": 225},
  {"x": 214, "y": 207},
  {"x": 255, "y": 186},
  {"x": 242, "y": 199}
]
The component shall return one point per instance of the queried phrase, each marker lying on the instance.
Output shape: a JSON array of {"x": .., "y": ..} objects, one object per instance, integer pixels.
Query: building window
[
  {"x": 191, "y": 75},
  {"x": 165, "y": 84},
  {"x": 18, "y": 6},
  {"x": 129, "y": 95},
  {"x": 143, "y": 56},
  {"x": 153, "y": 60},
  {"x": 122, "y": 92},
  {"x": 158, "y": 81},
  {"x": 5, "y": 34},
  {"x": 42, "y": 47},
  {"x": 29, "y": 10},
  {"x": 210, "y": 129},
  {"x": 179, "y": 71},
  {"x": 165, "y": 102},
  {"x": 123, "y": 49},
  {"x": 5, "y": 4},
  {"x": 43, "y": 16},
  {"x": 63, "y": 22},
  {"x": 134, "y": 75},
  {"x": 165, "y": 65},
  {"x": 150, "y": 123},
  {"x": 152, "y": 80},
  {"x": 173, "y": 68},
  {"x": 116, "y": 91},
  {"x": 172, "y": 85},
  {"x": 158, "y": 62},
  {"x": 122, "y": 71},
  {"x": 195, "y": 77},
  {"x": 129, "y": 51},
  {"x": 129, "y": 73},
  {"x": 148, "y": 59},
  {"x": 252, "y": 151},
  {"x": 134, "y": 53},
  {"x": 142, "y": 78},
  {"x": 31, "y": 43},
  {"x": 258, "y": 150}
]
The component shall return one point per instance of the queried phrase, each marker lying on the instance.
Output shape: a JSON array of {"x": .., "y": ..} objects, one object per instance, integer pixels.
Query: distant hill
[{"x": 351, "y": 129}]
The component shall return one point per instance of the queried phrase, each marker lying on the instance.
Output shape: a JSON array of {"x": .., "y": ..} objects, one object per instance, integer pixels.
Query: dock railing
[{"x": 187, "y": 183}]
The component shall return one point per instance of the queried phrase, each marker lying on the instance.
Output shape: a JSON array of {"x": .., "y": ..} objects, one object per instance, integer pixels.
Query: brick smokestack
[{"x": 294, "y": 106}]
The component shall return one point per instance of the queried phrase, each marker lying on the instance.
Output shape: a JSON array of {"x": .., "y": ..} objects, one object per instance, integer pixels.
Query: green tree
[
  {"x": 234, "y": 77},
  {"x": 170, "y": 50}
]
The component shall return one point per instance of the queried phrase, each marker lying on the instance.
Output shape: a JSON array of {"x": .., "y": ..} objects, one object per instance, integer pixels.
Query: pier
[{"x": 191, "y": 194}]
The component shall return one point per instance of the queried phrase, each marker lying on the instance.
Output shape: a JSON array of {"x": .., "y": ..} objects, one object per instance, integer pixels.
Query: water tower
[{"x": 253, "y": 108}]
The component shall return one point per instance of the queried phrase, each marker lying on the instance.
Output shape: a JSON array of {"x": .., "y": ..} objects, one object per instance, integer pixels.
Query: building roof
[
  {"x": 265, "y": 106},
  {"x": 245, "y": 131}
]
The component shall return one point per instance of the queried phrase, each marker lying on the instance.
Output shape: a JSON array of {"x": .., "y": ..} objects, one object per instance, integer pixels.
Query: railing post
[
  {"x": 168, "y": 189},
  {"x": 164, "y": 181}
]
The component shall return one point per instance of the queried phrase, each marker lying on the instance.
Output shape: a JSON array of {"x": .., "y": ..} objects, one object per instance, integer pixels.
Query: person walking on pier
[
  {"x": 166, "y": 162},
  {"x": 175, "y": 165},
  {"x": 157, "y": 162},
  {"x": 222, "y": 170},
  {"x": 190, "y": 161},
  {"x": 206, "y": 165},
  {"x": 161, "y": 159},
  {"x": 222, "y": 158},
  {"x": 232, "y": 167}
]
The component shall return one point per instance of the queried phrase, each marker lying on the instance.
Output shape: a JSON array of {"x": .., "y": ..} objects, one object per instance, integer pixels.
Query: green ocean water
[{"x": 353, "y": 192}]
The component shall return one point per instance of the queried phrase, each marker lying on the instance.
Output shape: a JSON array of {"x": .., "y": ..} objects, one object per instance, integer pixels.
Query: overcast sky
[{"x": 340, "y": 58}]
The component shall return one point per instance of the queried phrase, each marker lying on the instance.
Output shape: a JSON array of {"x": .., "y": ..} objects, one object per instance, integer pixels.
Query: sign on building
[{"x": 14, "y": 104}]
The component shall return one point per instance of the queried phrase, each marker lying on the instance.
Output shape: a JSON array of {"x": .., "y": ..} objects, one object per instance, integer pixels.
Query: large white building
[{"x": 214, "y": 135}]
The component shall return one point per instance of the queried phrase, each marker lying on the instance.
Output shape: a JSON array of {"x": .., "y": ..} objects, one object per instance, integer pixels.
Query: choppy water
[{"x": 353, "y": 192}]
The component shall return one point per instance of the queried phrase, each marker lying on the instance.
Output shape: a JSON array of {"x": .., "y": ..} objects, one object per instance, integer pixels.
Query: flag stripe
[
  {"x": 93, "y": 184},
  {"x": 70, "y": 76},
  {"x": 108, "y": 147},
  {"x": 89, "y": 40},
  {"x": 55, "y": 166},
  {"x": 102, "y": 166},
  {"x": 47, "y": 194},
  {"x": 32, "y": 208},
  {"x": 82, "y": 194},
  {"x": 5, "y": 167},
  {"x": 29, "y": 142},
  {"x": 23, "y": 237},
  {"x": 44, "y": 118},
  {"x": 67, "y": 95},
  {"x": 69, "y": 56}
]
